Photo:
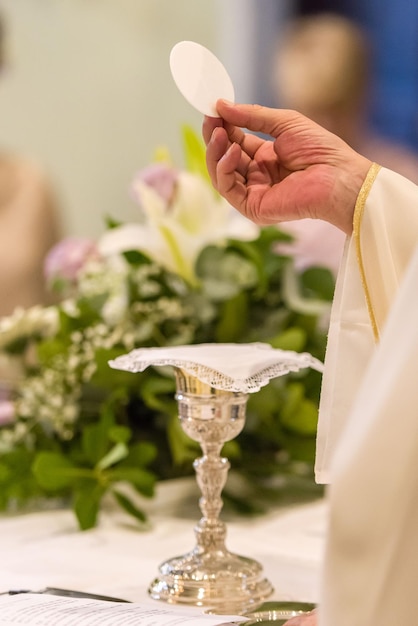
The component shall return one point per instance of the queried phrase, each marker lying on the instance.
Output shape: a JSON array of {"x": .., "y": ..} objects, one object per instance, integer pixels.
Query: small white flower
[
  {"x": 26, "y": 323},
  {"x": 76, "y": 337},
  {"x": 73, "y": 362},
  {"x": 70, "y": 307}
]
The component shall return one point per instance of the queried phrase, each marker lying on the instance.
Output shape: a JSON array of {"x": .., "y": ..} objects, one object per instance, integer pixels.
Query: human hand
[
  {"x": 305, "y": 171},
  {"x": 307, "y": 619}
]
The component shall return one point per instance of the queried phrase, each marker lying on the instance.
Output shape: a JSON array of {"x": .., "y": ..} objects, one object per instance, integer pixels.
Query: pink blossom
[
  {"x": 162, "y": 178},
  {"x": 7, "y": 412},
  {"x": 68, "y": 257},
  {"x": 316, "y": 244}
]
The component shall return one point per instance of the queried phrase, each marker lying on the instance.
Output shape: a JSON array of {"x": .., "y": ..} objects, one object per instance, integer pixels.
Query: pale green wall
[{"x": 88, "y": 93}]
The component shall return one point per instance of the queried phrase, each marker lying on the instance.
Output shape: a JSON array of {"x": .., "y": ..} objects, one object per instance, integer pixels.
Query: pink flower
[
  {"x": 7, "y": 412},
  {"x": 316, "y": 244},
  {"x": 161, "y": 177},
  {"x": 68, "y": 257}
]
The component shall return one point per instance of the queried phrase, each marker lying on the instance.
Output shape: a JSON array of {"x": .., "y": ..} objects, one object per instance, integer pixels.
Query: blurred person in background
[
  {"x": 29, "y": 225},
  {"x": 323, "y": 70}
]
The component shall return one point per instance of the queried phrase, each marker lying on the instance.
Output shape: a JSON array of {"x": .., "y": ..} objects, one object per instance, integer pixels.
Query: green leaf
[
  {"x": 86, "y": 506},
  {"x": 233, "y": 320},
  {"x": 158, "y": 393},
  {"x": 107, "y": 379},
  {"x": 225, "y": 273},
  {"x": 141, "y": 454},
  {"x": 305, "y": 420},
  {"x": 129, "y": 506},
  {"x": 220, "y": 290},
  {"x": 194, "y": 153},
  {"x": 251, "y": 252},
  {"x": 116, "y": 454},
  {"x": 18, "y": 483},
  {"x": 262, "y": 408},
  {"x": 143, "y": 480},
  {"x": 95, "y": 442},
  {"x": 5, "y": 473},
  {"x": 53, "y": 471},
  {"x": 320, "y": 282},
  {"x": 119, "y": 434},
  {"x": 295, "y": 297},
  {"x": 293, "y": 338},
  {"x": 299, "y": 414},
  {"x": 111, "y": 222},
  {"x": 135, "y": 257}
]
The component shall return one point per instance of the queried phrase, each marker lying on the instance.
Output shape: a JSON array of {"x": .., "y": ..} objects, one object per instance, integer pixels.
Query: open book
[{"x": 54, "y": 610}]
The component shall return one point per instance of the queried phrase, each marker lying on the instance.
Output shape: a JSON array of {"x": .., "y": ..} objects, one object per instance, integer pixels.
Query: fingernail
[
  {"x": 213, "y": 135},
  {"x": 228, "y": 152}
]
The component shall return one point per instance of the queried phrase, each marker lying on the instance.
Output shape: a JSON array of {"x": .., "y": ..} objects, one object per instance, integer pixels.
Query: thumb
[{"x": 258, "y": 118}]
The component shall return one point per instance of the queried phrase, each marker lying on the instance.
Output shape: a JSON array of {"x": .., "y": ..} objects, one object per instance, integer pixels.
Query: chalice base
[{"x": 220, "y": 580}]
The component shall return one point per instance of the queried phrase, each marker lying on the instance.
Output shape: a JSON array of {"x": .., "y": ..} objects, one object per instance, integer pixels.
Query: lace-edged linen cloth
[{"x": 228, "y": 366}]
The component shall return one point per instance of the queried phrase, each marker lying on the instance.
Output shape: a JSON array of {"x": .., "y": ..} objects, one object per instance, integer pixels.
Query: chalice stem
[{"x": 211, "y": 475}]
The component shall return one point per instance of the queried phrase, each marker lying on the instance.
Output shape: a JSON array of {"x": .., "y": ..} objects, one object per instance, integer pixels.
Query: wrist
[
  {"x": 358, "y": 176},
  {"x": 363, "y": 194}
]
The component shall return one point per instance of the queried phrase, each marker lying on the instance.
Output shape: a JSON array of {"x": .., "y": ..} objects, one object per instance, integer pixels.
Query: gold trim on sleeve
[{"x": 358, "y": 214}]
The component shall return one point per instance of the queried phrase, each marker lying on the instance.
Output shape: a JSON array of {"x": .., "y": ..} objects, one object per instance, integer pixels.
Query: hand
[
  {"x": 308, "y": 619},
  {"x": 305, "y": 171}
]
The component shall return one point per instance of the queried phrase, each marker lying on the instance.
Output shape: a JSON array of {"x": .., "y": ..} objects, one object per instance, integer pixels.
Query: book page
[{"x": 49, "y": 610}]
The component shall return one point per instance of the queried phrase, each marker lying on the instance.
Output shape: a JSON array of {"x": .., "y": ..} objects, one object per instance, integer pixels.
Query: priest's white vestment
[{"x": 368, "y": 429}]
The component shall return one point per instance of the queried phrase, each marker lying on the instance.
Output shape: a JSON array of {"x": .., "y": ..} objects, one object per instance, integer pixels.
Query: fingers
[
  {"x": 258, "y": 118},
  {"x": 224, "y": 168},
  {"x": 249, "y": 143},
  {"x": 217, "y": 146},
  {"x": 217, "y": 149},
  {"x": 209, "y": 125},
  {"x": 229, "y": 179}
]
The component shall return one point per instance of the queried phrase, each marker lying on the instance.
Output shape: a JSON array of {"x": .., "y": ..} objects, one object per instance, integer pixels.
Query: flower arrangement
[{"x": 192, "y": 270}]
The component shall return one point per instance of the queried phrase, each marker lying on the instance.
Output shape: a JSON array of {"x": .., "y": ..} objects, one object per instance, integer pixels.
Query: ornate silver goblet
[{"x": 212, "y": 403}]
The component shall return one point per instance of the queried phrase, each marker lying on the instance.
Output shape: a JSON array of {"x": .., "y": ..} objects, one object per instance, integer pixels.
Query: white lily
[{"x": 174, "y": 233}]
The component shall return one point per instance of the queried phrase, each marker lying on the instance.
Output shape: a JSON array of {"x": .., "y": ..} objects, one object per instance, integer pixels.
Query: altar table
[{"x": 117, "y": 558}]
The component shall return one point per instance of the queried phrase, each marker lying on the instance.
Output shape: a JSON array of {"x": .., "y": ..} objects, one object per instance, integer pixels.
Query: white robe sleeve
[
  {"x": 374, "y": 261},
  {"x": 371, "y": 562}
]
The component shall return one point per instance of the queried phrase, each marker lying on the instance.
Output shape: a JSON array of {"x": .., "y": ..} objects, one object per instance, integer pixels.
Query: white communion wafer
[{"x": 200, "y": 76}]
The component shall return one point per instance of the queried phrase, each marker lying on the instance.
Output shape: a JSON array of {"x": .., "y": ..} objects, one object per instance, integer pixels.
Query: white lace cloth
[{"x": 228, "y": 366}]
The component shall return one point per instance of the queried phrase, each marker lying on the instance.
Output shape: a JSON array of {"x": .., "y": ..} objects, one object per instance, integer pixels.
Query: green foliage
[
  {"x": 104, "y": 461},
  {"x": 83, "y": 431}
]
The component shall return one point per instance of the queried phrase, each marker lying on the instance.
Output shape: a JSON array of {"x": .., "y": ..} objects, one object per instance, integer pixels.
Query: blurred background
[
  {"x": 86, "y": 91},
  {"x": 86, "y": 99}
]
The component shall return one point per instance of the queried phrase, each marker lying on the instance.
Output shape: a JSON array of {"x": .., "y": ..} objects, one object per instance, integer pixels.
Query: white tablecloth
[{"x": 117, "y": 558}]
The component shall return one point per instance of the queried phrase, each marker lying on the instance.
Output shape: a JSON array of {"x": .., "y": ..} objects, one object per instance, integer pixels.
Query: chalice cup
[{"x": 212, "y": 401}]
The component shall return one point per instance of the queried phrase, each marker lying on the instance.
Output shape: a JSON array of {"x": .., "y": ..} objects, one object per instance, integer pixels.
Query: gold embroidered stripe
[{"x": 358, "y": 214}]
